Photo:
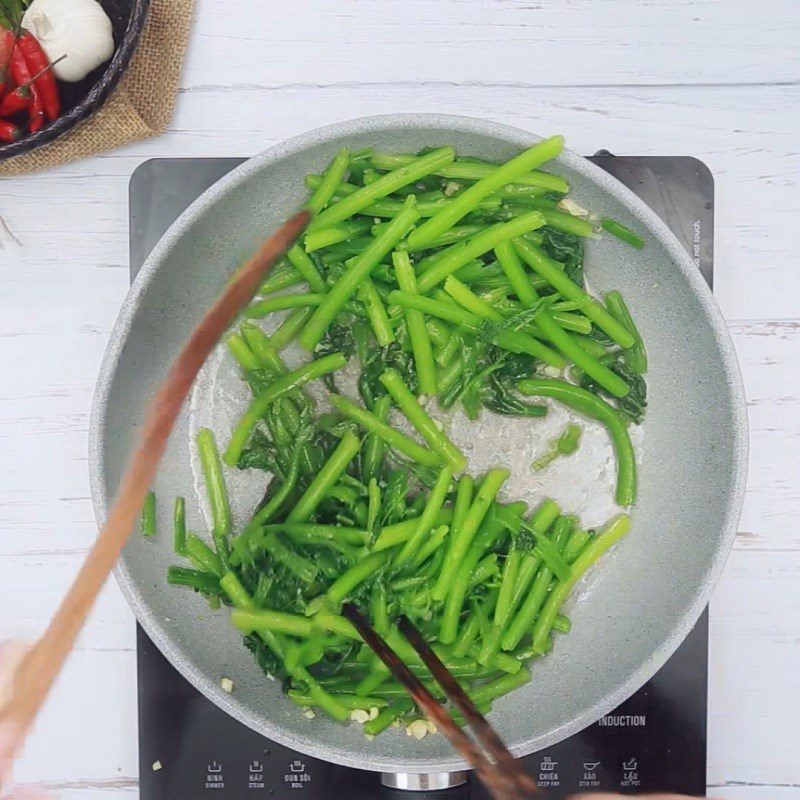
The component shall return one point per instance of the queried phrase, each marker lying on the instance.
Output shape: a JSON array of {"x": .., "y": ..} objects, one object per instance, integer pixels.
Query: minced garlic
[{"x": 418, "y": 729}]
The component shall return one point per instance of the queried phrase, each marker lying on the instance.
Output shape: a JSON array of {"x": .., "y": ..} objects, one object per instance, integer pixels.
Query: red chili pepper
[
  {"x": 9, "y": 83},
  {"x": 22, "y": 75},
  {"x": 9, "y": 132},
  {"x": 38, "y": 63},
  {"x": 35, "y": 111},
  {"x": 6, "y": 50},
  {"x": 20, "y": 98},
  {"x": 19, "y": 66},
  {"x": 16, "y": 100},
  {"x": 7, "y": 40}
]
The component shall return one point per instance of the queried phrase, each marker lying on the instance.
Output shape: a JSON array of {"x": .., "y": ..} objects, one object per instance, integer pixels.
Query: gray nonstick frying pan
[{"x": 631, "y": 612}]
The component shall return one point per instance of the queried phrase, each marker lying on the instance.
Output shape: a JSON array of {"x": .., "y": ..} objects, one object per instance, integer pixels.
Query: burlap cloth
[{"x": 139, "y": 107}]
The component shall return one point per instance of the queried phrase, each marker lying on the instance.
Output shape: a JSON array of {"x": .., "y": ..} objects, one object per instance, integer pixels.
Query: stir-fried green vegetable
[
  {"x": 445, "y": 281},
  {"x": 565, "y": 444}
]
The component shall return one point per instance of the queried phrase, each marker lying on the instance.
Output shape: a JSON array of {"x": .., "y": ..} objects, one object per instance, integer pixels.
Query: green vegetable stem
[
  {"x": 468, "y": 200},
  {"x": 360, "y": 269},
  {"x": 565, "y": 444},
  {"x": 592, "y": 406},
  {"x": 149, "y": 515}
]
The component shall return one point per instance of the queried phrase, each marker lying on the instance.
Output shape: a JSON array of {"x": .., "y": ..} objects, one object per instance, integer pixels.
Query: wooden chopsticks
[{"x": 505, "y": 779}]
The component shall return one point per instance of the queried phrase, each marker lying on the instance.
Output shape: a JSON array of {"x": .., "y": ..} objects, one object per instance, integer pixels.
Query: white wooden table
[{"x": 719, "y": 79}]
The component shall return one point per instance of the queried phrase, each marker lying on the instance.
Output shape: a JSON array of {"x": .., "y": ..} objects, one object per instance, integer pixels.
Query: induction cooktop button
[
  {"x": 630, "y": 773},
  {"x": 255, "y": 775},
  {"x": 214, "y": 776},
  {"x": 589, "y": 778},
  {"x": 296, "y": 777},
  {"x": 548, "y": 772}
]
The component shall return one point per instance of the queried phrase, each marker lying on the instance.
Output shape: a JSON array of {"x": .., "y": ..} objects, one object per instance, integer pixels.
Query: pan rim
[{"x": 696, "y": 602}]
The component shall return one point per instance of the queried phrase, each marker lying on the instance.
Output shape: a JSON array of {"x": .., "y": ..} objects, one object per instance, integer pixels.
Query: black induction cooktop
[{"x": 654, "y": 742}]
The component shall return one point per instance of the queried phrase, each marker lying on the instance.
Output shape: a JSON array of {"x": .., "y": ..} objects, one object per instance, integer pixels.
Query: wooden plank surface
[
  {"x": 512, "y": 42},
  {"x": 719, "y": 80}
]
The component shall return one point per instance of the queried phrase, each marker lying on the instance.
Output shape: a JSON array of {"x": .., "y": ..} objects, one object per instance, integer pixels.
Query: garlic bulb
[{"x": 79, "y": 29}]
